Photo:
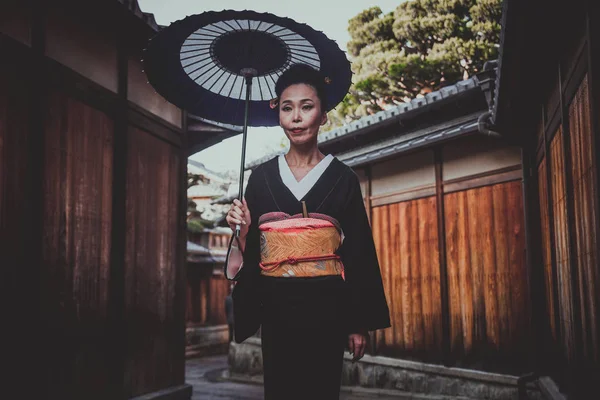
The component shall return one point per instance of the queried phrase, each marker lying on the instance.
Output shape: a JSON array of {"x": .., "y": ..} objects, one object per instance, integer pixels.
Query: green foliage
[
  {"x": 195, "y": 226},
  {"x": 420, "y": 47}
]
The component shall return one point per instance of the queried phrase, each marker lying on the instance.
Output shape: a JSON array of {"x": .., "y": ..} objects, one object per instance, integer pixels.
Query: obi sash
[{"x": 295, "y": 246}]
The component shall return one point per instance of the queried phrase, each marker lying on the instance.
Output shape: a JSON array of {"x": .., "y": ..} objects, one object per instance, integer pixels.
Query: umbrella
[{"x": 223, "y": 66}]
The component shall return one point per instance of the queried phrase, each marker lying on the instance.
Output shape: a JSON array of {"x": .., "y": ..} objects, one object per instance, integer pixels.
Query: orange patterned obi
[{"x": 294, "y": 246}]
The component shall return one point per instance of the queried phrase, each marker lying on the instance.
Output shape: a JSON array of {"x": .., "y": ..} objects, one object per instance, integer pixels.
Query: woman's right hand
[{"x": 239, "y": 214}]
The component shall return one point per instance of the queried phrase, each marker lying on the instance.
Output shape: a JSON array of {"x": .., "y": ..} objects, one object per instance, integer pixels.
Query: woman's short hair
[{"x": 302, "y": 73}]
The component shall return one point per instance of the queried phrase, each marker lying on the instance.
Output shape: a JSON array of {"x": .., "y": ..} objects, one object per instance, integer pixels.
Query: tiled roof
[
  {"x": 405, "y": 143},
  {"x": 397, "y": 111}
]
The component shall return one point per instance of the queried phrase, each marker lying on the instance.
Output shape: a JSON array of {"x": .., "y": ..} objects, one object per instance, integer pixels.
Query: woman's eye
[
  {"x": 286, "y": 109},
  {"x": 307, "y": 107}
]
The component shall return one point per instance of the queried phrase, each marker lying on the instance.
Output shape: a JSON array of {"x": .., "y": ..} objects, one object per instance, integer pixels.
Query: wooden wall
[
  {"x": 451, "y": 245},
  {"x": 92, "y": 201},
  {"x": 567, "y": 182},
  {"x": 406, "y": 239},
  {"x": 206, "y": 293},
  {"x": 153, "y": 359},
  {"x": 487, "y": 275},
  {"x": 78, "y": 167}
]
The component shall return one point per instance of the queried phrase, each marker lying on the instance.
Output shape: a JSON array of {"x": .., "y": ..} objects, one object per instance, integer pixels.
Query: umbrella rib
[
  {"x": 274, "y": 33},
  {"x": 269, "y": 86},
  {"x": 204, "y": 34},
  {"x": 225, "y": 84},
  {"x": 310, "y": 46},
  {"x": 204, "y": 73},
  {"x": 240, "y": 25},
  {"x": 295, "y": 55},
  {"x": 289, "y": 34},
  {"x": 199, "y": 40},
  {"x": 232, "y": 86},
  {"x": 217, "y": 80},
  {"x": 216, "y": 27},
  {"x": 259, "y": 87},
  {"x": 306, "y": 55},
  {"x": 196, "y": 64},
  {"x": 197, "y": 69},
  {"x": 303, "y": 51},
  {"x": 194, "y": 45},
  {"x": 303, "y": 61},
  {"x": 210, "y": 77},
  {"x": 195, "y": 55},
  {"x": 294, "y": 40},
  {"x": 232, "y": 27},
  {"x": 241, "y": 91},
  {"x": 263, "y": 22},
  {"x": 193, "y": 51}
]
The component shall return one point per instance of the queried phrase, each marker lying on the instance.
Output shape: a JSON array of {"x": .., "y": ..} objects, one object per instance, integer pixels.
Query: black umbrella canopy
[{"x": 196, "y": 63}]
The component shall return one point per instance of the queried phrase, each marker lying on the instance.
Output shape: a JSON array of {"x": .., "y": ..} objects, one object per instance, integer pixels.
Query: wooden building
[
  {"x": 207, "y": 331},
  {"x": 548, "y": 98},
  {"x": 92, "y": 205}
]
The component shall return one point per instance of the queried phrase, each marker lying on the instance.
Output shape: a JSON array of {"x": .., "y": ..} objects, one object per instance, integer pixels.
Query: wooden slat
[
  {"x": 561, "y": 250},
  {"x": 517, "y": 290},
  {"x": 385, "y": 255},
  {"x": 405, "y": 236},
  {"x": 486, "y": 274},
  {"x": 499, "y": 241},
  {"x": 375, "y": 224},
  {"x": 77, "y": 229},
  {"x": 152, "y": 357},
  {"x": 583, "y": 174},
  {"x": 394, "y": 274},
  {"x": 405, "y": 286},
  {"x": 547, "y": 249}
]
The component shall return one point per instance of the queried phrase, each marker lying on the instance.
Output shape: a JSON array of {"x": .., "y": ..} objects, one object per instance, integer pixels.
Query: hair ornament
[{"x": 273, "y": 103}]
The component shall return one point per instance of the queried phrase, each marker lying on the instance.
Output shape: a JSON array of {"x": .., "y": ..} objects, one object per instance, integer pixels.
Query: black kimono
[{"x": 306, "y": 321}]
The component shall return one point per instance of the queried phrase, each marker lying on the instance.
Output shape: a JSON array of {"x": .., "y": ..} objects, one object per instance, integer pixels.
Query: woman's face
[{"x": 300, "y": 114}]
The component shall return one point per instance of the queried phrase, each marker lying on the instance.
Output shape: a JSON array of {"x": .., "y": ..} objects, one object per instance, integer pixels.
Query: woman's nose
[{"x": 296, "y": 116}]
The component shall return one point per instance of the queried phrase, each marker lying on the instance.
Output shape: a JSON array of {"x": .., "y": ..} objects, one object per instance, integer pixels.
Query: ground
[{"x": 209, "y": 380}]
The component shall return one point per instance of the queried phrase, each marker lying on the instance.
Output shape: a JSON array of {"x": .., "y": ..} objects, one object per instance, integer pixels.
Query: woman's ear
[{"x": 324, "y": 119}]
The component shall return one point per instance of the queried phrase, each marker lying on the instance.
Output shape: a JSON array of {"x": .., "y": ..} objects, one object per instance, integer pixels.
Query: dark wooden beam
[
  {"x": 593, "y": 67},
  {"x": 116, "y": 301},
  {"x": 444, "y": 292},
  {"x": 181, "y": 269},
  {"x": 30, "y": 282},
  {"x": 539, "y": 325},
  {"x": 558, "y": 365},
  {"x": 569, "y": 199}
]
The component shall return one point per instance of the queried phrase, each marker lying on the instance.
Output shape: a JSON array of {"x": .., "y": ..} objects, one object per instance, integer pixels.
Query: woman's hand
[
  {"x": 239, "y": 214},
  {"x": 357, "y": 343}
]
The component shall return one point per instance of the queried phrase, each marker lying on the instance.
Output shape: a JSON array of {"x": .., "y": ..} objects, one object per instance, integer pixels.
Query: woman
[{"x": 309, "y": 301}]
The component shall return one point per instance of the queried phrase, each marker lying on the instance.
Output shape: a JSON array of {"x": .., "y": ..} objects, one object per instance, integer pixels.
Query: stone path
[{"x": 208, "y": 377}]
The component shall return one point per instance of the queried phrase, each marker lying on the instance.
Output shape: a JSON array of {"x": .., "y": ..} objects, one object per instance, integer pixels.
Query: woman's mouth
[{"x": 297, "y": 130}]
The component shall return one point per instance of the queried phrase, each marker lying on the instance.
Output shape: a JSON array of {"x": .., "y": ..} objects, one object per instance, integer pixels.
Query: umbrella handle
[{"x": 248, "y": 74}]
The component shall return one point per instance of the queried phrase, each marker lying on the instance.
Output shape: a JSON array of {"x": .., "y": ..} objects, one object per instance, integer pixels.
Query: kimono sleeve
[
  {"x": 246, "y": 292},
  {"x": 367, "y": 305},
  {"x": 251, "y": 255}
]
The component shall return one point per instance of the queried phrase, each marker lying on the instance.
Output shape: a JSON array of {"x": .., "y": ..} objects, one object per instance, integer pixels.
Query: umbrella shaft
[{"x": 244, "y": 137}]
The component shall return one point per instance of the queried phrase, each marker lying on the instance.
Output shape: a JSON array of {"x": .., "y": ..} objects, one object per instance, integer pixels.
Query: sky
[{"x": 329, "y": 16}]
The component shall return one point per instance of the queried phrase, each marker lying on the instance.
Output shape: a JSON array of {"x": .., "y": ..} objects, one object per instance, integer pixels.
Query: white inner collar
[{"x": 300, "y": 189}]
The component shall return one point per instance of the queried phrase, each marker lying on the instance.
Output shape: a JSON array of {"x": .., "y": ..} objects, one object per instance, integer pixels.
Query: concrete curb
[{"x": 355, "y": 390}]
